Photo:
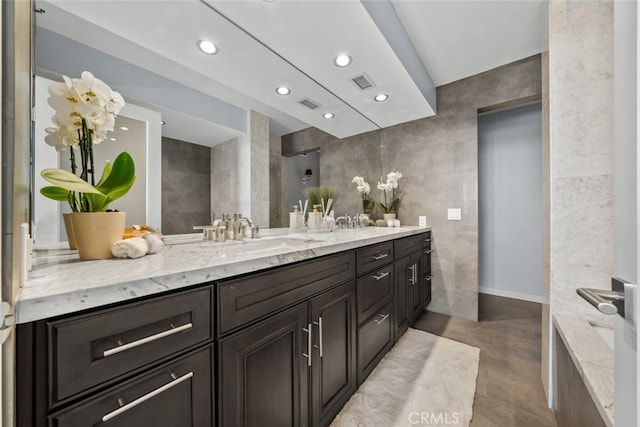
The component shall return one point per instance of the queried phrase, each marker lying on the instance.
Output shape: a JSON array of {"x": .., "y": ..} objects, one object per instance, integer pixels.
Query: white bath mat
[{"x": 423, "y": 380}]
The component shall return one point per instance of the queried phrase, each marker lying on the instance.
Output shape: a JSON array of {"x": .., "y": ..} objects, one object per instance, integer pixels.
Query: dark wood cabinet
[
  {"x": 264, "y": 372},
  {"x": 375, "y": 339},
  {"x": 177, "y": 394},
  {"x": 143, "y": 362},
  {"x": 333, "y": 365},
  {"x": 286, "y": 346},
  {"x": 426, "y": 270},
  {"x": 410, "y": 281},
  {"x": 296, "y": 367},
  {"x": 407, "y": 295}
]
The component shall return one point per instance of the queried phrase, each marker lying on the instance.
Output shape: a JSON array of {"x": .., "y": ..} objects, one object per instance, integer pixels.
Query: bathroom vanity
[{"x": 276, "y": 331}]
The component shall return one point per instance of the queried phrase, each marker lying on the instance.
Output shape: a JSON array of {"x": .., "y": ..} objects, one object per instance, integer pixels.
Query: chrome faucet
[{"x": 252, "y": 230}]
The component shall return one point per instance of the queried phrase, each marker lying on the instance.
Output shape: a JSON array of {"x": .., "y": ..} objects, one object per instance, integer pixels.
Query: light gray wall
[
  {"x": 510, "y": 202},
  {"x": 296, "y": 168},
  {"x": 438, "y": 157}
]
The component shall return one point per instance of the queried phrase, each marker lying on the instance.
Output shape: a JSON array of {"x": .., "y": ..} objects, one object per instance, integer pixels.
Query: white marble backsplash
[{"x": 60, "y": 283}]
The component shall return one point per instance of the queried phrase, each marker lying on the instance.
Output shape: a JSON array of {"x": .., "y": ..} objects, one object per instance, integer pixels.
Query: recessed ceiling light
[
  {"x": 381, "y": 97},
  {"x": 283, "y": 90},
  {"x": 112, "y": 139},
  {"x": 328, "y": 115},
  {"x": 207, "y": 47},
  {"x": 124, "y": 128},
  {"x": 342, "y": 60}
]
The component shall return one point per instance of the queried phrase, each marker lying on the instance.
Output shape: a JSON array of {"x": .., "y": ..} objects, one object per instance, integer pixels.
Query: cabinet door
[
  {"x": 263, "y": 372},
  {"x": 403, "y": 277},
  {"x": 375, "y": 338},
  {"x": 176, "y": 394},
  {"x": 416, "y": 282},
  {"x": 426, "y": 282},
  {"x": 333, "y": 365}
]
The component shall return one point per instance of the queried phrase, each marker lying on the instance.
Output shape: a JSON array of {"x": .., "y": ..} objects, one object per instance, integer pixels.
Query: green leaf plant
[{"x": 116, "y": 180}]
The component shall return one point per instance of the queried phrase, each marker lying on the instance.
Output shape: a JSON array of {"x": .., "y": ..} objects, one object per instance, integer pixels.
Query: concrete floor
[{"x": 509, "y": 391}]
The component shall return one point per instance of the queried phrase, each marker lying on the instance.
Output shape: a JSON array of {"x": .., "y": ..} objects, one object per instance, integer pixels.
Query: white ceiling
[{"x": 266, "y": 44}]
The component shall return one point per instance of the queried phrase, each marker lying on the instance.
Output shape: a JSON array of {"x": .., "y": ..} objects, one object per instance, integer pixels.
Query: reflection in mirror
[
  {"x": 141, "y": 140},
  {"x": 171, "y": 192}
]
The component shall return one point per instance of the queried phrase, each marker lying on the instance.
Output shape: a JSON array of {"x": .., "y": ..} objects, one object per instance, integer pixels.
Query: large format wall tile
[
  {"x": 186, "y": 186},
  {"x": 438, "y": 158}
]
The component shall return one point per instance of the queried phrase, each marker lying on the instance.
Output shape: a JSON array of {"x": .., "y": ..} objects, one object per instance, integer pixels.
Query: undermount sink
[
  {"x": 246, "y": 246},
  {"x": 607, "y": 334}
]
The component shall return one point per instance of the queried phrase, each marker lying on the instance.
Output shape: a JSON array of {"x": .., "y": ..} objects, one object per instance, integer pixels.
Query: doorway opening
[{"x": 510, "y": 203}]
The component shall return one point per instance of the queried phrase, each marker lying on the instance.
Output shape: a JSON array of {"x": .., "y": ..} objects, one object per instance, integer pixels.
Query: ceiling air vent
[
  {"x": 363, "y": 81},
  {"x": 309, "y": 103}
]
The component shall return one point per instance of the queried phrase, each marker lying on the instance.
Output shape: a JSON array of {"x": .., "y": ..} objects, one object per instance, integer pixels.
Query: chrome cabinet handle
[
  {"x": 428, "y": 252},
  {"x": 136, "y": 343},
  {"x": 319, "y": 324},
  {"x": 381, "y": 275},
  {"x": 141, "y": 399},
  {"x": 428, "y": 277},
  {"x": 309, "y": 344},
  {"x": 384, "y": 317},
  {"x": 412, "y": 279},
  {"x": 379, "y": 256}
]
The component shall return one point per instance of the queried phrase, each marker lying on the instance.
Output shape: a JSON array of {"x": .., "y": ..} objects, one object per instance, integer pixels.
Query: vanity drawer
[
  {"x": 426, "y": 240},
  {"x": 374, "y": 289},
  {"x": 89, "y": 350},
  {"x": 174, "y": 395},
  {"x": 375, "y": 256},
  {"x": 407, "y": 245},
  {"x": 249, "y": 298},
  {"x": 375, "y": 338}
]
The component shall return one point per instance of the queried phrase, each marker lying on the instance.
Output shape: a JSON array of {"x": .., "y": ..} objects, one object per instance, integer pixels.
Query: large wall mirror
[{"x": 151, "y": 100}]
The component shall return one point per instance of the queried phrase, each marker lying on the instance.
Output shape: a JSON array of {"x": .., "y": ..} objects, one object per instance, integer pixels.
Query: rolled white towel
[
  {"x": 154, "y": 242},
  {"x": 134, "y": 247}
]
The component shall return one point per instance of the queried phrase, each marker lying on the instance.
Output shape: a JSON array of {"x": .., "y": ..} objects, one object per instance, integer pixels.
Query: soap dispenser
[
  {"x": 295, "y": 218},
  {"x": 315, "y": 218}
]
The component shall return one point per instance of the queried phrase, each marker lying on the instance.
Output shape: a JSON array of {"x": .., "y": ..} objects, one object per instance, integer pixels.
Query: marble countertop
[
  {"x": 594, "y": 360},
  {"x": 60, "y": 283}
]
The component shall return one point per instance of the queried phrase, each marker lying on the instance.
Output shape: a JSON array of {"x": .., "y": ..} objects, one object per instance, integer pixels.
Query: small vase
[
  {"x": 68, "y": 227},
  {"x": 389, "y": 216},
  {"x": 96, "y": 232}
]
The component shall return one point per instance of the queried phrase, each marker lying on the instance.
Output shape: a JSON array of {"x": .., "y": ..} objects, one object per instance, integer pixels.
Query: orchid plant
[
  {"x": 86, "y": 109},
  {"x": 364, "y": 189},
  {"x": 390, "y": 186}
]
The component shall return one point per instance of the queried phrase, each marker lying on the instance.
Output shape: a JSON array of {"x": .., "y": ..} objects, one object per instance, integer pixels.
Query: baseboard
[{"x": 512, "y": 294}]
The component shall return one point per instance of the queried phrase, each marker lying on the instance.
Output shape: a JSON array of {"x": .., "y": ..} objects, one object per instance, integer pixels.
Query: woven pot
[{"x": 96, "y": 232}]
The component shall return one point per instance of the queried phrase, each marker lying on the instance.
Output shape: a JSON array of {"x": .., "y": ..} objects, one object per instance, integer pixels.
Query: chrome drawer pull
[
  {"x": 146, "y": 397},
  {"x": 428, "y": 252},
  {"x": 319, "y": 323},
  {"x": 412, "y": 279},
  {"x": 384, "y": 317},
  {"x": 428, "y": 277},
  {"x": 309, "y": 345},
  {"x": 381, "y": 275},
  {"x": 379, "y": 256},
  {"x": 145, "y": 340}
]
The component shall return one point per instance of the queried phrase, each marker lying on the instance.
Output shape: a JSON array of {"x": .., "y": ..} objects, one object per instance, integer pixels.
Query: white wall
[{"x": 510, "y": 202}]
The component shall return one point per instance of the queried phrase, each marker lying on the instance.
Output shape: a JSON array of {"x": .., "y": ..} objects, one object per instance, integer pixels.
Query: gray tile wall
[
  {"x": 186, "y": 186},
  {"x": 438, "y": 159}
]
